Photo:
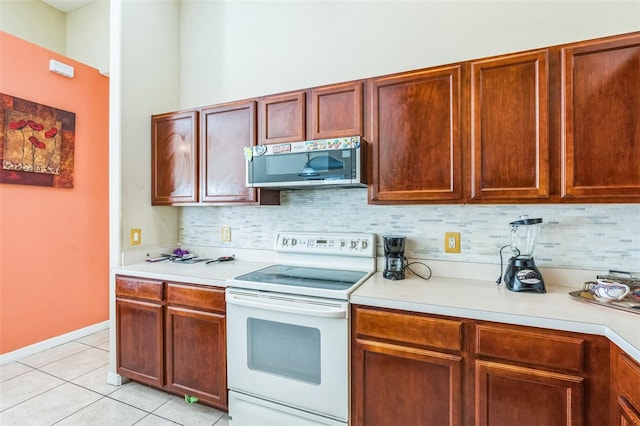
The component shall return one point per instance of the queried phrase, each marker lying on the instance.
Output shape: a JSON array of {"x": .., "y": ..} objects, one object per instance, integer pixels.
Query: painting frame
[{"x": 32, "y": 122}]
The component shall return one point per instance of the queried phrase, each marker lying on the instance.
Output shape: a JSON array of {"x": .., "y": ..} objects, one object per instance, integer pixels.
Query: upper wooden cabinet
[
  {"x": 601, "y": 120},
  {"x": 225, "y": 130},
  {"x": 415, "y": 133},
  {"x": 509, "y": 128},
  {"x": 283, "y": 118},
  {"x": 336, "y": 111},
  {"x": 174, "y": 158}
]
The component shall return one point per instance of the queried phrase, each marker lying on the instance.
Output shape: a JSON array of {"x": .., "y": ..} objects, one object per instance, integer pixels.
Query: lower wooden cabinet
[
  {"x": 507, "y": 395},
  {"x": 196, "y": 343},
  {"x": 418, "y": 369},
  {"x": 406, "y": 369},
  {"x": 140, "y": 330},
  {"x": 625, "y": 388},
  {"x": 173, "y": 336}
]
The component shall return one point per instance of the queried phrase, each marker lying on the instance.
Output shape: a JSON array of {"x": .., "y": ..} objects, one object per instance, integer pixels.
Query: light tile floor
[{"x": 66, "y": 385}]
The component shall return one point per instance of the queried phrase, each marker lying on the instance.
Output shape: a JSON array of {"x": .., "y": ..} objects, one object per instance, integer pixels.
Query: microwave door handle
[{"x": 325, "y": 311}]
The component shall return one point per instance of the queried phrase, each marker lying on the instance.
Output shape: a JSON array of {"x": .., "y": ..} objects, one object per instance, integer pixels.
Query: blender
[
  {"x": 394, "y": 257},
  {"x": 522, "y": 273}
]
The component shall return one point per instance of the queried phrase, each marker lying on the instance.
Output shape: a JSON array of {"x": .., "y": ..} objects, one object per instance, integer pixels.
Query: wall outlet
[
  {"x": 452, "y": 242},
  {"x": 135, "y": 237},
  {"x": 226, "y": 234}
]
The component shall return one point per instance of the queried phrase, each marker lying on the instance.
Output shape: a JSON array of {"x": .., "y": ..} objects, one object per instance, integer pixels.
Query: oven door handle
[{"x": 301, "y": 308}]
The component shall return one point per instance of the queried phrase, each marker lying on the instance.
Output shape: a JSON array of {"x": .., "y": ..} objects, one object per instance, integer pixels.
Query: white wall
[
  {"x": 239, "y": 49},
  {"x": 148, "y": 80},
  {"x": 36, "y": 22},
  {"x": 88, "y": 35}
]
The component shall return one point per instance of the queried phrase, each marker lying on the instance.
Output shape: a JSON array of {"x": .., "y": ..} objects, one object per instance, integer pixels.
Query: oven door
[{"x": 290, "y": 350}]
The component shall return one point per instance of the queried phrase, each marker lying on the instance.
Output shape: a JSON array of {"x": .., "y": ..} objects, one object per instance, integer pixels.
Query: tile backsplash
[{"x": 580, "y": 236}]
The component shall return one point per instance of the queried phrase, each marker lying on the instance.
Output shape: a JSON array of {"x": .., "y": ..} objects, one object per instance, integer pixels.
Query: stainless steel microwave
[{"x": 318, "y": 163}]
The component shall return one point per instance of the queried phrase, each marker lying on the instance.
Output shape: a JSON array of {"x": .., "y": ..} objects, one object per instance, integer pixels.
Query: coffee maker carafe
[
  {"x": 394, "y": 257},
  {"x": 522, "y": 273}
]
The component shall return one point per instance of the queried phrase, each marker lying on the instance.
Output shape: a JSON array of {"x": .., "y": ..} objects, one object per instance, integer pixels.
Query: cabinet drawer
[
  {"x": 542, "y": 349},
  {"x": 139, "y": 288},
  {"x": 199, "y": 297},
  {"x": 628, "y": 380},
  {"x": 409, "y": 329}
]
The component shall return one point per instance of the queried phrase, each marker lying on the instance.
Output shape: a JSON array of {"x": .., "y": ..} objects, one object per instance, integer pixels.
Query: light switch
[{"x": 135, "y": 237}]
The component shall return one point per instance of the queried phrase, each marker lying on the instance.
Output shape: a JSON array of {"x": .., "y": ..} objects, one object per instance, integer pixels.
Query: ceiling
[{"x": 68, "y": 5}]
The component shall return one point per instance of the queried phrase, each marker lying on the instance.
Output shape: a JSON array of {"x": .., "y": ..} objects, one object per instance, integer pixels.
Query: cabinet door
[
  {"x": 509, "y": 128},
  {"x": 282, "y": 118},
  {"x": 601, "y": 106},
  {"x": 196, "y": 355},
  {"x": 336, "y": 111},
  {"x": 507, "y": 395},
  {"x": 174, "y": 158},
  {"x": 415, "y": 134},
  {"x": 225, "y": 130},
  {"x": 398, "y": 385},
  {"x": 627, "y": 415},
  {"x": 140, "y": 343}
]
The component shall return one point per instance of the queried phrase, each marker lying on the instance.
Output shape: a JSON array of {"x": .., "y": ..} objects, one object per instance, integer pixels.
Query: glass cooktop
[{"x": 330, "y": 279}]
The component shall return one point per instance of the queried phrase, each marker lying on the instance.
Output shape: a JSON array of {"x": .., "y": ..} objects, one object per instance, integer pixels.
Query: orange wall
[{"x": 54, "y": 243}]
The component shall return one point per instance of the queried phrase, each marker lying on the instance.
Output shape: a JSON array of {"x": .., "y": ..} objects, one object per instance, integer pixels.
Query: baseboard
[{"x": 53, "y": 342}]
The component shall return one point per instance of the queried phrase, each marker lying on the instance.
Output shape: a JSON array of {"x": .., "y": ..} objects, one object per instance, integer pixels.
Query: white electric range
[{"x": 288, "y": 331}]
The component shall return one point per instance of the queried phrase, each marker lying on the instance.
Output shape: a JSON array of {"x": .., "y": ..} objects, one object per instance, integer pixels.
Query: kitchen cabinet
[
  {"x": 416, "y": 136},
  {"x": 202, "y": 162},
  {"x": 625, "y": 386},
  {"x": 225, "y": 130},
  {"x": 174, "y": 158},
  {"x": 474, "y": 372},
  {"x": 140, "y": 329},
  {"x": 407, "y": 369},
  {"x": 337, "y": 111},
  {"x": 196, "y": 342},
  {"x": 283, "y": 118},
  {"x": 523, "y": 374},
  {"x": 173, "y": 336},
  {"x": 600, "y": 110},
  {"x": 509, "y": 128}
]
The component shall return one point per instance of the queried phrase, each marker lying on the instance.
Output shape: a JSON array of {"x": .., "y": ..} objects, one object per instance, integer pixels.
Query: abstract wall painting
[{"x": 36, "y": 143}]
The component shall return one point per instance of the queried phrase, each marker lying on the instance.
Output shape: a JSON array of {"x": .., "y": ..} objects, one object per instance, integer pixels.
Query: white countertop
[
  {"x": 484, "y": 300},
  {"x": 194, "y": 273}
]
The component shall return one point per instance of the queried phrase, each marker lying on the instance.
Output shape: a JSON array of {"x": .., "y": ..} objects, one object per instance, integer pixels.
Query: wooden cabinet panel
[
  {"x": 336, "y": 111},
  {"x": 282, "y": 118},
  {"x": 546, "y": 349},
  {"x": 509, "y": 127},
  {"x": 601, "y": 106},
  {"x": 198, "y": 297},
  {"x": 415, "y": 134},
  {"x": 174, "y": 158},
  {"x": 225, "y": 130},
  {"x": 139, "y": 288},
  {"x": 398, "y": 385},
  {"x": 507, "y": 395},
  {"x": 139, "y": 341},
  {"x": 627, "y": 415},
  {"x": 410, "y": 329},
  {"x": 196, "y": 355}
]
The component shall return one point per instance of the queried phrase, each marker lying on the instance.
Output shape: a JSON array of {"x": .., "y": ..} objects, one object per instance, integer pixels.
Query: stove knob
[
  {"x": 354, "y": 244},
  {"x": 342, "y": 243},
  {"x": 294, "y": 241},
  {"x": 363, "y": 244},
  {"x": 285, "y": 241}
]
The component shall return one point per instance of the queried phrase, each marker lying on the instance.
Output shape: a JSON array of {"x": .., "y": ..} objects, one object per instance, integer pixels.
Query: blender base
[{"x": 523, "y": 275}]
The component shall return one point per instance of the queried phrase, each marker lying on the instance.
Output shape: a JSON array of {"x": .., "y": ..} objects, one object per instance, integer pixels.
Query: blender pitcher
[{"x": 522, "y": 274}]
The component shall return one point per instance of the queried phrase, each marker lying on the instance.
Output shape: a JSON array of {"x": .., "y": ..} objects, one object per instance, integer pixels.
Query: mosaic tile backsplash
[{"x": 581, "y": 236}]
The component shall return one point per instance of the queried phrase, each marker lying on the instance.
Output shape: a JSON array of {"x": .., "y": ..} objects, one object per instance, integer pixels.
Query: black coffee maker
[{"x": 394, "y": 257}]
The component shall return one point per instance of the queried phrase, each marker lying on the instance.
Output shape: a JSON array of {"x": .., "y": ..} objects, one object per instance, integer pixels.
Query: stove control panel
[{"x": 362, "y": 245}]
